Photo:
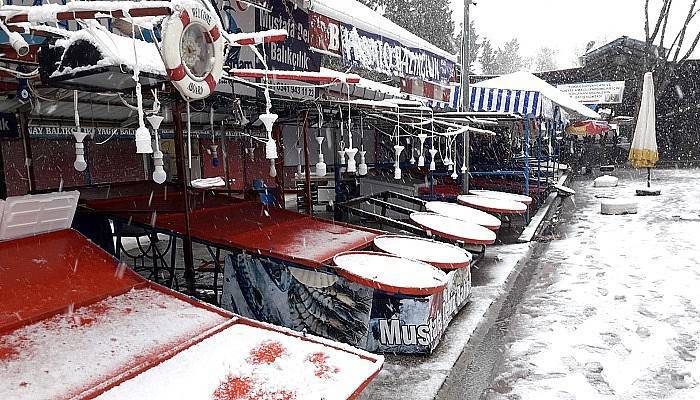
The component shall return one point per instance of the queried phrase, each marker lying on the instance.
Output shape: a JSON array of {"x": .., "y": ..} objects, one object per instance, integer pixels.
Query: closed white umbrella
[{"x": 644, "y": 152}]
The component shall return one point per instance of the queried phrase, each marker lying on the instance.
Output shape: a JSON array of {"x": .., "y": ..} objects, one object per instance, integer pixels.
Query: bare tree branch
[
  {"x": 689, "y": 17},
  {"x": 663, "y": 15}
]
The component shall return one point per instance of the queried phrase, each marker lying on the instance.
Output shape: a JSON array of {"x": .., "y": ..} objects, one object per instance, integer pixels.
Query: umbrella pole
[{"x": 648, "y": 177}]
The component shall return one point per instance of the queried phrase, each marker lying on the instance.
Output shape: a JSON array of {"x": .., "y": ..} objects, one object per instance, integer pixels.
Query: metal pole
[
  {"x": 465, "y": 90},
  {"x": 307, "y": 168},
  {"x": 184, "y": 186},
  {"x": 26, "y": 143}
]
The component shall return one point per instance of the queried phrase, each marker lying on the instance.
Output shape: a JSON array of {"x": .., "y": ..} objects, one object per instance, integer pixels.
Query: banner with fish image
[{"x": 324, "y": 304}]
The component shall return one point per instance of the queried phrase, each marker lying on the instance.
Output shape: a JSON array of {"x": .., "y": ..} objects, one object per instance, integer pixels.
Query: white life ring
[{"x": 193, "y": 51}]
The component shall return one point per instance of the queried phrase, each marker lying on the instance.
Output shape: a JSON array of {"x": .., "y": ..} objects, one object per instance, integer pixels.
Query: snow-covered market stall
[
  {"x": 533, "y": 146},
  {"x": 173, "y": 135}
]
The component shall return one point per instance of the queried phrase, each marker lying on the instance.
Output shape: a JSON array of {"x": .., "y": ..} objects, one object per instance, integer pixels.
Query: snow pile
[
  {"x": 63, "y": 355},
  {"x": 243, "y": 362},
  {"x": 613, "y": 311},
  {"x": 606, "y": 181},
  {"x": 116, "y": 50},
  {"x": 618, "y": 206}
]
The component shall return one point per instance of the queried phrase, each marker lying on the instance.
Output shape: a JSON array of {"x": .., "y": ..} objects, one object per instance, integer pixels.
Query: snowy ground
[{"x": 613, "y": 311}]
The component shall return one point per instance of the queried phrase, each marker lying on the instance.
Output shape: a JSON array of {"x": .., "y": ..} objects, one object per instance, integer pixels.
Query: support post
[
  {"x": 307, "y": 167},
  {"x": 465, "y": 90},
  {"x": 526, "y": 151},
  {"x": 278, "y": 135},
  {"x": 184, "y": 186},
  {"x": 28, "y": 159}
]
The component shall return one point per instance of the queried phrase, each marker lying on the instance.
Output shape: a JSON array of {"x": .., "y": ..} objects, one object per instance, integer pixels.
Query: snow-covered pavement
[{"x": 613, "y": 310}]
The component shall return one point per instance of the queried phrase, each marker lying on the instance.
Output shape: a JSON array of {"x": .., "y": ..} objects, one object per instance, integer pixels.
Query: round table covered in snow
[
  {"x": 464, "y": 213},
  {"x": 438, "y": 254},
  {"x": 498, "y": 206},
  {"x": 454, "y": 229}
]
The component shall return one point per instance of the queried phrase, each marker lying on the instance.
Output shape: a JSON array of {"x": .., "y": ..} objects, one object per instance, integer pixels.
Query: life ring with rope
[{"x": 192, "y": 49}]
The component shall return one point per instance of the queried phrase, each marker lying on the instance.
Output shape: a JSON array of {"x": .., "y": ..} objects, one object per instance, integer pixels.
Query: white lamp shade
[
  {"x": 352, "y": 164},
  {"x": 268, "y": 120},
  {"x": 155, "y": 120}
]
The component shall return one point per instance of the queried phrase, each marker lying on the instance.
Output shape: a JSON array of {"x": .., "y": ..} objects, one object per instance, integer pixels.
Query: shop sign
[
  {"x": 377, "y": 53},
  {"x": 325, "y": 34},
  {"x": 294, "y": 53},
  {"x": 595, "y": 92},
  {"x": 8, "y": 126}
]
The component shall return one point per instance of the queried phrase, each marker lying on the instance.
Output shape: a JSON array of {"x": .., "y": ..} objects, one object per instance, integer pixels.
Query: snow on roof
[
  {"x": 116, "y": 50},
  {"x": 48, "y": 12},
  {"x": 362, "y": 17},
  {"x": 522, "y": 80}
]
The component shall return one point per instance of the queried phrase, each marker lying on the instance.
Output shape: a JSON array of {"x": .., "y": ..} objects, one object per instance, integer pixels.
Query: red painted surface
[
  {"x": 237, "y": 388},
  {"x": 53, "y": 164},
  {"x": 44, "y": 274},
  {"x": 279, "y": 233},
  {"x": 15, "y": 170},
  {"x": 47, "y": 274},
  {"x": 323, "y": 369},
  {"x": 114, "y": 161},
  {"x": 266, "y": 353}
]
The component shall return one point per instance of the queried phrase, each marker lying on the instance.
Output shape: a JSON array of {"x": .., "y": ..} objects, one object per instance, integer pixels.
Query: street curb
[
  {"x": 487, "y": 321},
  {"x": 537, "y": 222}
]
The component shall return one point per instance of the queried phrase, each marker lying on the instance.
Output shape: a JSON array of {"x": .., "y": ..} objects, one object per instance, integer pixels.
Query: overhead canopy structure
[{"x": 525, "y": 94}]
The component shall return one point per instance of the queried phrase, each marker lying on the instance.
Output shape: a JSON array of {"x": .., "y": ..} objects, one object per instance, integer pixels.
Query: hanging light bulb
[
  {"x": 397, "y": 168},
  {"x": 321, "y": 167},
  {"x": 213, "y": 147},
  {"x": 299, "y": 161},
  {"x": 159, "y": 175},
  {"x": 421, "y": 159},
  {"x": 79, "y": 135},
  {"x": 271, "y": 145},
  {"x": 273, "y": 170},
  {"x": 433, "y": 153},
  {"x": 352, "y": 164},
  {"x": 362, "y": 168},
  {"x": 79, "y": 164},
  {"x": 143, "y": 136}
]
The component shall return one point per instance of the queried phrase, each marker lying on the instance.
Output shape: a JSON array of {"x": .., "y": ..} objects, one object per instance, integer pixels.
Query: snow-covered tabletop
[
  {"x": 63, "y": 356},
  {"x": 439, "y": 254},
  {"x": 244, "y": 362},
  {"x": 464, "y": 213},
  {"x": 390, "y": 273},
  {"x": 454, "y": 229},
  {"x": 492, "y": 194},
  {"x": 500, "y": 206}
]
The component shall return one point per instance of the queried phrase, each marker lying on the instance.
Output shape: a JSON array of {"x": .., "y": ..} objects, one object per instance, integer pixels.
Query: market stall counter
[
  {"x": 279, "y": 268},
  {"x": 76, "y": 323}
]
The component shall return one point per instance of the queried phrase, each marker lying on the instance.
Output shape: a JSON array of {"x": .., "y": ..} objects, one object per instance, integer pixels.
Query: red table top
[
  {"x": 250, "y": 226},
  {"x": 58, "y": 260}
]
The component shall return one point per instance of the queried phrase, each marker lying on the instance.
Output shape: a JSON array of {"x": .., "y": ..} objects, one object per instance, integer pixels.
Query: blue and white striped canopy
[{"x": 522, "y": 102}]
